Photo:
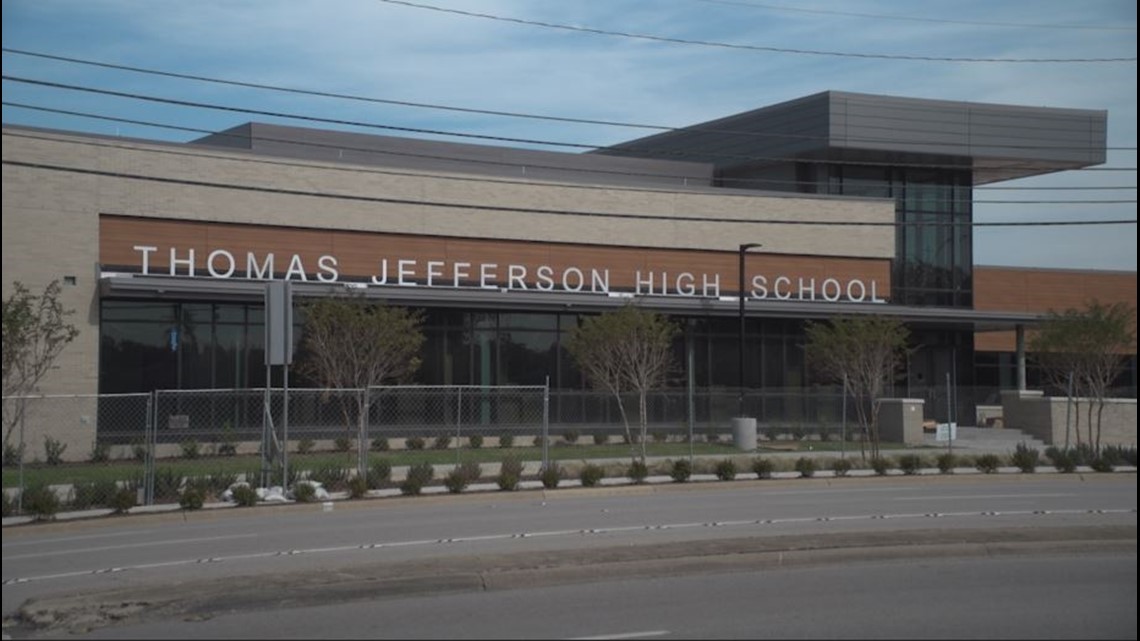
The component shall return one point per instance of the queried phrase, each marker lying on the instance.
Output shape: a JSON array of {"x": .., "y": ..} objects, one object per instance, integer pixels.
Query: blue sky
[{"x": 382, "y": 49}]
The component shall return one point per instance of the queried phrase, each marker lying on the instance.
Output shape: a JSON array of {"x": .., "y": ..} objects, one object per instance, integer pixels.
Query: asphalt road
[{"x": 261, "y": 567}]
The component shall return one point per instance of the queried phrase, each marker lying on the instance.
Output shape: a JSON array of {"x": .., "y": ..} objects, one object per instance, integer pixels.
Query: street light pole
[{"x": 743, "y": 294}]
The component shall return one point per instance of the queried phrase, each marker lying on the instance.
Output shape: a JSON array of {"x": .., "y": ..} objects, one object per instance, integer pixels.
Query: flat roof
[{"x": 996, "y": 142}]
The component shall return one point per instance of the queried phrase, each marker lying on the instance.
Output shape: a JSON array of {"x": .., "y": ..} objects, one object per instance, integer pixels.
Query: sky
[{"x": 680, "y": 62}]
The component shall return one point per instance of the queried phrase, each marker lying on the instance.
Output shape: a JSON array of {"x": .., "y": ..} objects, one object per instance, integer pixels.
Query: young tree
[
  {"x": 35, "y": 332},
  {"x": 866, "y": 351},
  {"x": 628, "y": 350},
  {"x": 1089, "y": 346},
  {"x": 353, "y": 344}
]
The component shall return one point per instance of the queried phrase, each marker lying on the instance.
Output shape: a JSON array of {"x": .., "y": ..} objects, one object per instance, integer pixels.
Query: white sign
[{"x": 946, "y": 432}]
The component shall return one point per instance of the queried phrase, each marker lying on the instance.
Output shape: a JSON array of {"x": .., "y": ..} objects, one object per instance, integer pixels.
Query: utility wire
[
  {"x": 509, "y": 114},
  {"x": 727, "y": 45},
  {"x": 665, "y": 153},
  {"x": 552, "y": 212},
  {"x": 879, "y": 16},
  {"x": 698, "y": 181}
]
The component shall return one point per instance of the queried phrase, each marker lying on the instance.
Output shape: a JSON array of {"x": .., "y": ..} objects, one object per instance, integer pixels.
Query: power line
[
  {"x": 727, "y": 45},
  {"x": 508, "y": 114},
  {"x": 879, "y": 16},
  {"x": 551, "y": 212},
  {"x": 699, "y": 180},
  {"x": 665, "y": 153}
]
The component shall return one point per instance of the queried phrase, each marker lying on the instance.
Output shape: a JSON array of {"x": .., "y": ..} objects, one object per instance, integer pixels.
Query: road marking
[
  {"x": 516, "y": 535},
  {"x": 950, "y": 497},
  {"x": 132, "y": 545},
  {"x": 624, "y": 635}
]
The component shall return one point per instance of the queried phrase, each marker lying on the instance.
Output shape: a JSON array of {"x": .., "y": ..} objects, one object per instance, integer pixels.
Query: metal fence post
[
  {"x": 458, "y": 423},
  {"x": 546, "y": 424},
  {"x": 362, "y": 447},
  {"x": 23, "y": 452},
  {"x": 151, "y": 439}
]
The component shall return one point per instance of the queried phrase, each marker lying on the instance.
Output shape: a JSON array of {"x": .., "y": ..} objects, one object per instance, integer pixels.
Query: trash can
[{"x": 744, "y": 433}]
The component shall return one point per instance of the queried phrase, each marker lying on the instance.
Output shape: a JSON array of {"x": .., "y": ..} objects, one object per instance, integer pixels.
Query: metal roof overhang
[{"x": 245, "y": 290}]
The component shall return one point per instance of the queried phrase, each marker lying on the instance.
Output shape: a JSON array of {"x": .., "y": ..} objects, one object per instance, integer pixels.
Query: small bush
[
  {"x": 471, "y": 469},
  {"x": 660, "y": 436},
  {"x": 988, "y": 463},
  {"x": 41, "y": 502},
  {"x": 1119, "y": 454},
  {"x": 226, "y": 448},
  {"x": 507, "y": 482},
  {"x": 418, "y": 476},
  {"x": 475, "y": 441},
  {"x": 167, "y": 484},
  {"x": 1101, "y": 464},
  {"x": 506, "y": 439},
  {"x": 379, "y": 473},
  {"x": 947, "y": 462},
  {"x": 570, "y": 436},
  {"x": 190, "y": 449},
  {"x": 726, "y": 470},
  {"x": 13, "y": 454},
  {"x": 551, "y": 476},
  {"x": 53, "y": 450},
  {"x": 191, "y": 499},
  {"x": 342, "y": 444},
  {"x": 591, "y": 475},
  {"x": 637, "y": 471},
  {"x": 539, "y": 441},
  {"x": 682, "y": 470},
  {"x": 712, "y": 437},
  {"x": 92, "y": 494},
  {"x": 1025, "y": 458},
  {"x": 841, "y": 466},
  {"x": 138, "y": 450},
  {"x": 1062, "y": 460},
  {"x": 305, "y": 445},
  {"x": 763, "y": 467},
  {"x": 601, "y": 438},
  {"x": 442, "y": 442},
  {"x": 881, "y": 465},
  {"x": 379, "y": 444},
  {"x": 332, "y": 476},
  {"x": 805, "y": 466},
  {"x": 455, "y": 481},
  {"x": 510, "y": 473},
  {"x": 358, "y": 487},
  {"x": 304, "y": 492},
  {"x": 910, "y": 464},
  {"x": 123, "y": 499},
  {"x": 100, "y": 453},
  {"x": 244, "y": 496},
  {"x": 414, "y": 443}
]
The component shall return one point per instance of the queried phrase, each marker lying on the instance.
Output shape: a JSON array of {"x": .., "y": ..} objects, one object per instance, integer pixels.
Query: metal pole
[
  {"x": 546, "y": 424},
  {"x": 285, "y": 435},
  {"x": 23, "y": 451},
  {"x": 843, "y": 425},
  {"x": 458, "y": 419},
  {"x": 692, "y": 401},
  {"x": 742, "y": 294},
  {"x": 949, "y": 418},
  {"x": 1068, "y": 410}
]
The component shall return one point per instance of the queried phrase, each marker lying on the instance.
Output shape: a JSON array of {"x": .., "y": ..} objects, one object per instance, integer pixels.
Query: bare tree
[
  {"x": 867, "y": 351},
  {"x": 625, "y": 351},
  {"x": 352, "y": 344},
  {"x": 35, "y": 332},
  {"x": 1089, "y": 346}
]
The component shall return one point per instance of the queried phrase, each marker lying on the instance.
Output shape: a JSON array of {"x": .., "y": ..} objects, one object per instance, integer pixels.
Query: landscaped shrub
[
  {"x": 418, "y": 476},
  {"x": 332, "y": 476},
  {"x": 600, "y": 438},
  {"x": 442, "y": 442},
  {"x": 305, "y": 445},
  {"x": 304, "y": 492},
  {"x": 510, "y": 473},
  {"x": 380, "y": 444},
  {"x": 167, "y": 484},
  {"x": 841, "y": 466},
  {"x": 910, "y": 464},
  {"x": 89, "y": 494},
  {"x": 455, "y": 481},
  {"x": 40, "y": 501},
  {"x": 805, "y": 466},
  {"x": 1063, "y": 460},
  {"x": 191, "y": 499},
  {"x": 100, "y": 453},
  {"x": 1101, "y": 464},
  {"x": 358, "y": 487},
  {"x": 726, "y": 470},
  {"x": 591, "y": 475},
  {"x": 682, "y": 470},
  {"x": 53, "y": 450},
  {"x": 506, "y": 439},
  {"x": 763, "y": 467},
  {"x": 988, "y": 463},
  {"x": 570, "y": 436},
  {"x": 712, "y": 437},
  {"x": 539, "y": 441},
  {"x": 475, "y": 441},
  {"x": 379, "y": 473},
  {"x": 551, "y": 476},
  {"x": 1025, "y": 458},
  {"x": 660, "y": 436},
  {"x": 244, "y": 495},
  {"x": 342, "y": 444},
  {"x": 947, "y": 462},
  {"x": 881, "y": 465},
  {"x": 1119, "y": 454},
  {"x": 13, "y": 454},
  {"x": 190, "y": 449},
  {"x": 637, "y": 471},
  {"x": 123, "y": 500}
]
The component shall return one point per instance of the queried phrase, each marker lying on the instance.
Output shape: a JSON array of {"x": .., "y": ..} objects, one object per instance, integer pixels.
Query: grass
[{"x": 72, "y": 473}]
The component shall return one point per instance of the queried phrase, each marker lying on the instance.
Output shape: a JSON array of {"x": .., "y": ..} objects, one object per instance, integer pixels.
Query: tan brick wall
[{"x": 1015, "y": 289}]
